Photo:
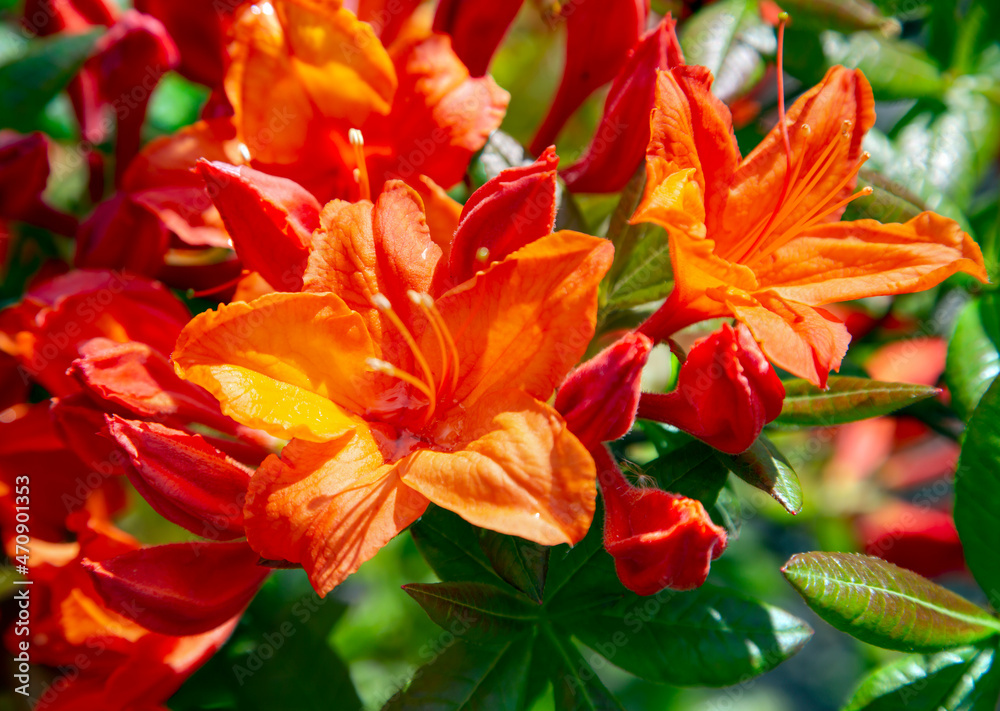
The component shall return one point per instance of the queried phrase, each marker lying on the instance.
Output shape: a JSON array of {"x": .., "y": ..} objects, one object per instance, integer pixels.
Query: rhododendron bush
[{"x": 447, "y": 354}]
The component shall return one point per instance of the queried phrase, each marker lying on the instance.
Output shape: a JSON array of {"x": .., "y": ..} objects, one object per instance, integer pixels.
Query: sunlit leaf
[
  {"x": 521, "y": 563},
  {"x": 885, "y": 605},
  {"x": 973, "y": 354},
  {"x": 847, "y": 399},
  {"x": 765, "y": 468},
  {"x": 448, "y": 544},
  {"x": 896, "y": 69},
  {"x": 963, "y": 679}
]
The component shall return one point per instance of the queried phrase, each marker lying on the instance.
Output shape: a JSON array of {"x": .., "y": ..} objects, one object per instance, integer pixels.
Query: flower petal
[
  {"x": 514, "y": 468},
  {"x": 328, "y": 506},
  {"x": 838, "y": 112},
  {"x": 851, "y": 260},
  {"x": 289, "y": 364},
  {"x": 528, "y": 319},
  {"x": 181, "y": 588},
  {"x": 184, "y": 478},
  {"x": 806, "y": 341},
  {"x": 476, "y": 28}
]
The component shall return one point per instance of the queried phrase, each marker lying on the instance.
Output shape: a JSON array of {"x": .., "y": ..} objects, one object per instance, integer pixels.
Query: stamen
[
  {"x": 449, "y": 351},
  {"x": 358, "y": 142},
  {"x": 382, "y": 366},
  {"x": 383, "y": 304},
  {"x": 482, "y": 254}
]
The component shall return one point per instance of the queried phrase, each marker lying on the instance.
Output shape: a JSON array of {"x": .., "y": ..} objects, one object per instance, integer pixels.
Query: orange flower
[
  {"x": 758, "y": 238},
  {"x": 396, "y": 391}
]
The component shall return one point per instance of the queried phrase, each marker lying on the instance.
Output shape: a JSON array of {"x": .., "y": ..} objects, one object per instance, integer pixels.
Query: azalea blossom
[
  {"x": 757, "y": 238},
  {"x": 398, "y": 388}
]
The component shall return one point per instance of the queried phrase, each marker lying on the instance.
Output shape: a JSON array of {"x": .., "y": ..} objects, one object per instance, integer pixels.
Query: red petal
[
  {"x": 599, "y": 399},
  {"x": 269, "y": 219},
  {"x": 476, "y": 28},
  {"x": 199, "y": 29},
  {"x": 122, "y": 234},
  {"x": 182, "y": 588},
  {"x": 726, "y": 392},
  {"x": 516, "y": 207},
  {"x": 658, "y": 540},
  {"x": 599, "y": 36},
  {"x": 621, "y": 137},
  {"x": 184, "y": 478}
]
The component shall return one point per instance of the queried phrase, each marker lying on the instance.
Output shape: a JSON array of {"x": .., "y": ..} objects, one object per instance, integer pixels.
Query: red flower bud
[
  {"x": 199, "y": 29},
  {"x": 619, "y": 144},
  {"x": 726, "y": 392},
  {"x": 658, "y": 540},
  {"x": 184, "y": 478},
  {"x": 122, "y": 234},
  {"x": 476, "y": 29},
  {"x": 49, "y": 17},
  {"x": 599, "y": 36},
  {"x": 513, "y": 209},
  {"x": 599, "y": 399},
  {"x": 182, "y": 588},
  {"x": 270, "y": 220},
  {"x": 24, "y": 173}
]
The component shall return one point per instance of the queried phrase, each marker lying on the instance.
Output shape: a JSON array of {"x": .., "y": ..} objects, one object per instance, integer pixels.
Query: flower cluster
[{"x": 297, "y": 325}]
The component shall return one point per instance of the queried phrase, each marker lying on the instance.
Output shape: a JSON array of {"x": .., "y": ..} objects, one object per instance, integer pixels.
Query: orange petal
[
  {"x": 339, "y": 60},
  {"x": 360, "y": 250},
  {"x": 443, "y": 213},
  {"x": 528, "y": 319},
  {"x": 806, "y": 341},
  {"x": 440, "y": 116},
  {"x": 842, "y": 261},
  {"x": 515, "y": 468},
  {"x": 328, "y": 506},
  {"x": 838, "y": 111},
  {"x": 259, "y": 57},
  {"x": 289, "y": 364},
  {"x": 692, "y": 129}
]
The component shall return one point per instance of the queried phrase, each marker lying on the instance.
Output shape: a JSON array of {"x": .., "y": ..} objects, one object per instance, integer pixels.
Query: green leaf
[
  {"x": 31, "y": 81},
  {"x": 728, "y": 38},
  {"x": 575, "y": 684},
  {"x": 705, "y": 637},
  {"x": 896, "y": 69},
  {"x": 647, "y": 274},
  {"x": 443, "y": 539},
  {"x": 482, "y": 612},
  {"x": 468, "y": 677},
  {"x": 977, "y": 487},
  {"x": 963, "y": 679},
  {"x": 846, "y": 399},
  {"x": 764, "y": 467},
  {"x": 693, "y": 471},
  {"x": 973, "y": 355},
  {"x": 521, "y": 563},
  {"x": 882, "y": 604},
  {"x": 839, "y": 15}
]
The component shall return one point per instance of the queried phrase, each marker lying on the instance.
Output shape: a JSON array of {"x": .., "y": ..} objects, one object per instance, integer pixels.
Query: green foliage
[
  {"x": 885, "y": 605},
  {"x": 846, "y": 399}
]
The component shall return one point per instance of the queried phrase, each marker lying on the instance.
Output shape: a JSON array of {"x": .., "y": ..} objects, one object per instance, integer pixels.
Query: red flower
[
  {"x": 599, "y": 399},
  {"x": 726, "y": 392},
  {"x": 658, "y": 539}
]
